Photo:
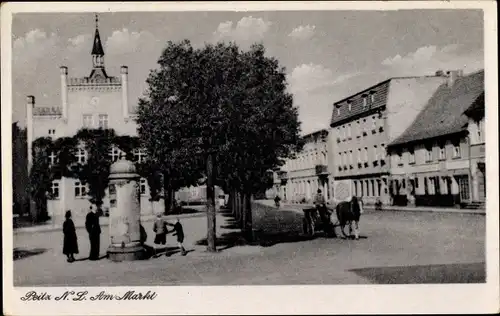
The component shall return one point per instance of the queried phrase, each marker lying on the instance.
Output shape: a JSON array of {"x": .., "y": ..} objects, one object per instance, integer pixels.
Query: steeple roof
[{"x": 97, "y": 47}]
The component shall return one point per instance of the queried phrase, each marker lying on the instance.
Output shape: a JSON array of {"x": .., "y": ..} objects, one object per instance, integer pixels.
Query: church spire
[
  {"x": 97, "y": 50},
  {"x": 98, "y": 70}
]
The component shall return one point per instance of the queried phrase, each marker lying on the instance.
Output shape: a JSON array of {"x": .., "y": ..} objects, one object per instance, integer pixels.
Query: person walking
[
  {"x": 70, "y": 242},
  {"x": 159, "y": 227},
  {"x": 94, "y": 231},
  {"x": 277, "y": 200},
  {"x": 179, "y": 232}
]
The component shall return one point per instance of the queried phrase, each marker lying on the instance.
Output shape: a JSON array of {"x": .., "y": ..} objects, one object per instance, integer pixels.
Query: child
[
  {"x": 70, "y": 243},
  {"x": 159, "y": 228},
  {"x": 179, "y": 232}
]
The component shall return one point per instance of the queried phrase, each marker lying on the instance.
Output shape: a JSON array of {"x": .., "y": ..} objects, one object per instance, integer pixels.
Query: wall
[
  {"x": 406, "y": 99},
  {"x": 421, "y": 165},
  {"x": 110, "y": 103},
  {"x": 367, "y": 136}
]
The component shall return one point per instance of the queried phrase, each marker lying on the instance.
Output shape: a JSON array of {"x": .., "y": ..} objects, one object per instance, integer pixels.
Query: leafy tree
[
  {"x": 40, "y": 178},
  {"x": 163, "y": 118},
  {"x": 95, "y": 171},
  {"x": 20, "y": 179},
  {"x": 221, "y": 113}
]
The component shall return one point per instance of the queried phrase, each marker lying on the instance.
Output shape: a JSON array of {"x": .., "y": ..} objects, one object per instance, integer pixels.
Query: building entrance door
[{"x": 463, "y": 187}]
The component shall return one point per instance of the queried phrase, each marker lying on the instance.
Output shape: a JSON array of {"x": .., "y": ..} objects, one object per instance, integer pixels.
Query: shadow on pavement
[
  {"x": 183, "y": 210},
  {"x": 270, "y": 228},
  {"x": 438, "y": 273},
  {"x": 24, "y": 253}
]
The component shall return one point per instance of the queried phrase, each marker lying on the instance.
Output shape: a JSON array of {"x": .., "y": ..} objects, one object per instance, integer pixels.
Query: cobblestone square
[{"x": 400, "y": 247}]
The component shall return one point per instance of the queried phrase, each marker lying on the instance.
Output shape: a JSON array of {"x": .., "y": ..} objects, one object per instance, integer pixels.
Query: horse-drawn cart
[{"x": 318, "y": 219}]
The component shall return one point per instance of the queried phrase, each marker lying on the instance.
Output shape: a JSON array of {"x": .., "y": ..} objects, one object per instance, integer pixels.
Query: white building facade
[
  {"x": 96, "y": 101},
  {"x": 300, "y": 178}
]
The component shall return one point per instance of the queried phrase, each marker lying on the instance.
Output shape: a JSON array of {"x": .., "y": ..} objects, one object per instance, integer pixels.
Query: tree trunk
[
  {"x": 168, "y": 200},
  {"x": 165, "y": 194},
  {"x": 172, "y": 199},
  {"x": 247, "y": 224},
  {"x": 211, "y": 228},
  {"x": 238, "y": 209},
  {"x": 236, "y": 205},
  {"x": 231, "y": 201},
  {"x": 242, "y": 209}
]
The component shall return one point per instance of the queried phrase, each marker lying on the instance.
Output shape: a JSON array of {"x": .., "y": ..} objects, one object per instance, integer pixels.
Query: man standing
[
  {"x": 94, "y": 230},
  {"x": 319, "y": 203}
]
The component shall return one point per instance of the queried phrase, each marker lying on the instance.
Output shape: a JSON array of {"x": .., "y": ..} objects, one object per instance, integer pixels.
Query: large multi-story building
[
  {"x": 96, "y": 101},
  {"x": 300, "y": 178},
  {"x": 477, "y": 136},
  {"x": 363, "y": 124},
  {"x": 437, "y": 157}
]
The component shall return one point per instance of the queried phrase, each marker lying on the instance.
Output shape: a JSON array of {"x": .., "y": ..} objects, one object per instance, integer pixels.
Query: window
[
  {"x": 382, "y": 151},
  {"x": 142, "y": 185},
  {"x": 350, "y": 157},
  {"x": 103, "y": 121},
  {"x": 338, "y": 110},
  {"x": 88, "y": 121},
  {"x": 340, "y": 159},
  {"x": 81, "y": 155},
  {"x": 52, "y": 132},
  {"x": 54, "y": 189},
  {"x": 112, "y": 189},
  {"x": 366, "y": 154},
  {"x": 364, "y": 127},
  {"x": 359, "y": 155},
  {"x": 343, "y": 133},
  {"x": 349, "y": 105},
  {"x": 114, "y": 153},
  {"x": 457, "y": 153},
  {"x": 52, "y": 158},
  {"x": 80, "y": 190},
  {"x": 372, "y": 97},
  {"x": 375, "y": 152},
  {"x": 358, "y": 127},
  {"x": 374, "y": 122},
  {"x": 349, "y": 131},
  {"x": 399, "y": 158},
  {"x": 428, "y": 154},
  {"x": 480, "y": 131},
  {"x": 442, "y": 152},
  {"x": 365, "y": 101},
  {"x": 411, "y": 153}
]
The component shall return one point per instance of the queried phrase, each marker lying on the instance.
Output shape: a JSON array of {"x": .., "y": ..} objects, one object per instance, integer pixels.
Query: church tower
[{"x": 98, "y": 70}]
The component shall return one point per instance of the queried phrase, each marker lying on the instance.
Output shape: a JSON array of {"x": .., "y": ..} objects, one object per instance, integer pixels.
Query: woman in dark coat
[{"x": 70, "y": 245}]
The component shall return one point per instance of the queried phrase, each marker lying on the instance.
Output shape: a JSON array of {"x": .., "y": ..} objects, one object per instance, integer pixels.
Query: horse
[{"x": 349, "y": 212}]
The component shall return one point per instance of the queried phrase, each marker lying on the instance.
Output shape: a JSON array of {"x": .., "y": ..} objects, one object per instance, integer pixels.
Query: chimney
[
  {"x": 64, "y": 91},
  {"x": 30, "y": 104},
  {"x": 452, "y": 76},
  {"x": 124, "y": 74}
]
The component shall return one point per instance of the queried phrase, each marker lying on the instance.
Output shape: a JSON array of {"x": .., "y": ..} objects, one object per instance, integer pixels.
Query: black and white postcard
[{"x": 250, "y": 157}]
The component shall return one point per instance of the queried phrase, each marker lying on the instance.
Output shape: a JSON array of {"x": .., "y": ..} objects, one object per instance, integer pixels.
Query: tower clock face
[{"x": 94, "y": 101}]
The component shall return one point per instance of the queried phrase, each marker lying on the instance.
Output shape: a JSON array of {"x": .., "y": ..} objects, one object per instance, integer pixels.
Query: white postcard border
[{"x": 369, "y": 299}]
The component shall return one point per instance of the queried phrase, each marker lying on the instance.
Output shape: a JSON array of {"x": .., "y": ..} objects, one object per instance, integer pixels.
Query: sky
[{"x": 328, "y": 55}]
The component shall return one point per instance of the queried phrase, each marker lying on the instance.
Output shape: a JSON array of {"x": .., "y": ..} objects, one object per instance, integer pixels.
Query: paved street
[{"x": 399, "y": 247}]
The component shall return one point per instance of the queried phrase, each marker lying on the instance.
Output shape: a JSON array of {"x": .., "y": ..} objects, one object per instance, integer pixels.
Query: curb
[
  {"x": 370, "y": 208},
  {"x": 51, "y": 227}
]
